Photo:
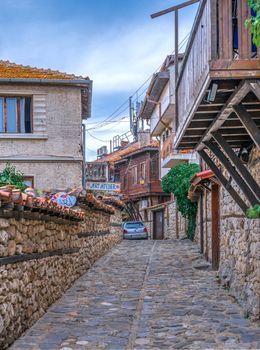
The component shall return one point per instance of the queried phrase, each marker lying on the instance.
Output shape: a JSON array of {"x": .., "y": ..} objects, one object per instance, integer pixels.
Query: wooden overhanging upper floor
[
  {"x": 15, "y": 74},
  {"x": 221, "y": 69}
]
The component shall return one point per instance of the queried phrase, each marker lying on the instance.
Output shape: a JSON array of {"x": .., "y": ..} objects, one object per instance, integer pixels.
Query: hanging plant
[
  {"x": 253, "y": 23},
  {"x": 177, "y": 181}
]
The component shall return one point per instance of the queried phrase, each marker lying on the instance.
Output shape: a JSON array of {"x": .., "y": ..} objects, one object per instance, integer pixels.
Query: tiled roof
[
  {"x": 131, "y": 148},
  {"x": 9, "y": 197},
  {"x": 11, "y": 70}
]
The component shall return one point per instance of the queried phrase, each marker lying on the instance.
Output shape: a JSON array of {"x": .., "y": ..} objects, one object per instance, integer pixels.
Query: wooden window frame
[
  {"x": 30, "y": 178},
  {"x": 18, "y": 114},
  {"x": 134, "y": 171},
  {"x": 143, "y": 164}
]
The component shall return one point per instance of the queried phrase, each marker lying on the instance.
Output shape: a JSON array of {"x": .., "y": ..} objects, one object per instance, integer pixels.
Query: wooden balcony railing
[
  {"x": 195, "y": 66},
  {"x": 220, "y": 47},
  {"x": 167, "y": 148}
]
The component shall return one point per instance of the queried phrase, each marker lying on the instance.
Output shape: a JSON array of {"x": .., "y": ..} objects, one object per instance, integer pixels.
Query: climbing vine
[
  {"x": 253, "y": 23},
  {"x": 177, "y": 181}
]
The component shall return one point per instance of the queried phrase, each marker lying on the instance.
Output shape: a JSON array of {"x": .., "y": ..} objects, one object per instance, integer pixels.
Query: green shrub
[
  {"x": 177, "y": 181},
  {"x": 11, "y": 176}
]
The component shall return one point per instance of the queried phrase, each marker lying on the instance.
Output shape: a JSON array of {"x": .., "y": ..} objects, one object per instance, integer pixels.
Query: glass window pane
[
  {"x": 11, "y": 114},
  {"x": 1, "y": 114},
  {"x": 27, "y": 115},
  {"x": 22, "y": 114}
]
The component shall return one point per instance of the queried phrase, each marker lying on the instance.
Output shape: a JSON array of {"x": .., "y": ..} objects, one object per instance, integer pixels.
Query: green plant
[
  {"x": 11, "y": 176},
  {"x": 253, "y": 213},
  {"x": 177, "y": 181},
  {"x": 253, "y": 23}
]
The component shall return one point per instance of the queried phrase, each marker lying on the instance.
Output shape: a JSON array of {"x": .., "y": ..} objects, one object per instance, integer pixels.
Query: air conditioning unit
[{"x": 102, "y": 151}]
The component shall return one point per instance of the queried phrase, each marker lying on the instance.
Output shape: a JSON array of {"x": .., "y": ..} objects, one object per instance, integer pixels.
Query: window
[
  {"x": 134, "y": 225},
  {"x": 15, "y": 115},
  {"x": 134, "y": 174},
  {"x": 155, "y": 166},
  {"x": 142, "y": 171},
  {"x": 125, "y": 181},
  {"x": 29, "y": 181}
]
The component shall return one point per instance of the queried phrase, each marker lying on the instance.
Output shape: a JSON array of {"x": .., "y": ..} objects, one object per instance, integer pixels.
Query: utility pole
[
  {"x": 176, "y": 29},
  {"x": 131, "y": 113},
  {"x": 175, "y": 9}
]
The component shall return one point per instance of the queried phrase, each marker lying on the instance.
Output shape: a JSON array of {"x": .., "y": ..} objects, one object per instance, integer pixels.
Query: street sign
[{"x": 103, "y": 186}]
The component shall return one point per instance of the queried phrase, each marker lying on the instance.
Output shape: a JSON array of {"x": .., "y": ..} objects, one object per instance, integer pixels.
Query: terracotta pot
[
  {"x": 16, "y": 196},
  {"x": 29, "y": 201},
  {"x": 5, "y": 196}
]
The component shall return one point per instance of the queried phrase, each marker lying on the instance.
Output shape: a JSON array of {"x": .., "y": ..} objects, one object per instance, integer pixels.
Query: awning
[{"x": 198, "y": 183}]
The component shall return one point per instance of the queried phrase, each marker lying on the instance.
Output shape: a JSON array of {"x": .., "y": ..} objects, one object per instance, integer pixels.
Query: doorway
[
  {"x": 215, "y": 226},
  {"x": 158, "y": 224}
]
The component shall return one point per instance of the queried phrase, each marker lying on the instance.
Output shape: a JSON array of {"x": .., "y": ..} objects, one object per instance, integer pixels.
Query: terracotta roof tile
[
  {"x": 131, "y": 148},
  {"x": 12, "y": 70}
]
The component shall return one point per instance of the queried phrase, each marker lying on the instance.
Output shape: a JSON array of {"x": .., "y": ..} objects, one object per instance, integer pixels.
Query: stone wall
[
  {"x": 39, "y": 260},
  {"x": 239, "y": 262},
  {"x": 207, "y": 221},
  {"x": 174, "y": 225},
  {"x": 239, "y": 268},
  {"x": 173, "y": 229}
]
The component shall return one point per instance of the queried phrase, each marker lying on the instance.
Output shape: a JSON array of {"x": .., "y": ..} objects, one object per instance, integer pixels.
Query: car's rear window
[{"x": 134, "y": 225}]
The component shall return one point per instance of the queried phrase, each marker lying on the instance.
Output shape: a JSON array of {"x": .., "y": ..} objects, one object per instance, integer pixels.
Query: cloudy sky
[{"x": 114, "y": 42}]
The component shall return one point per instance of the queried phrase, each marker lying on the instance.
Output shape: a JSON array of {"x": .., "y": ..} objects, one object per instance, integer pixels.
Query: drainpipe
[{"x": 84, "y": 156}]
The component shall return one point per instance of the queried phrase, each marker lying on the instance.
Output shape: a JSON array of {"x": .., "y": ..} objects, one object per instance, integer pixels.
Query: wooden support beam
[
  {"x": 225, "y": 112},
  {"x": 248, "y": 178},
  {"x": 255, "y": 87},
  {"x": 173, "y": 8},
  {"x": 233, "y": 193},
  {"x": 249, "y": 124},
  {"x": 233, "y": 172}
]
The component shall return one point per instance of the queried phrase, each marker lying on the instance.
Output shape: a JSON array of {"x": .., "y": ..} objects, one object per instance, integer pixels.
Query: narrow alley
[{"x": 144, "y": 295}]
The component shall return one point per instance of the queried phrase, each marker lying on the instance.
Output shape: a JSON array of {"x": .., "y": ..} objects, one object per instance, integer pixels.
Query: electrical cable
[{"x": 102, "y": 123}]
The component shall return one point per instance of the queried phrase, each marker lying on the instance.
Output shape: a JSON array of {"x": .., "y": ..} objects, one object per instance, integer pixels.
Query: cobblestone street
[{"x": 144, "y": 295}]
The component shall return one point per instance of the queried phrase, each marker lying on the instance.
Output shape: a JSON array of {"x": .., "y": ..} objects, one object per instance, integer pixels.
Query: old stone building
[{"x": 41, "y": 113}]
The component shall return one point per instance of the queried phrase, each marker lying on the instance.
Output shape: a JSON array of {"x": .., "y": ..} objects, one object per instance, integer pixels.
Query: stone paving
[{"x": 144, "y": 295}]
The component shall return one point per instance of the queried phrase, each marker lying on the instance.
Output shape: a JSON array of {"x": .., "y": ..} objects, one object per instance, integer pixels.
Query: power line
[
  {"x": 96, "y": 138},
  {"x": 107, "y": 120}
]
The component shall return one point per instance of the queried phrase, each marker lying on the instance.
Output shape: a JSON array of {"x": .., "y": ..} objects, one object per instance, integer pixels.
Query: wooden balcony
[
  {"x": 219, "y": 56},
  {"x": 143, "y": 190},
  {"x": 171, "y": 157},
  {"x": 96, "y": 171}
]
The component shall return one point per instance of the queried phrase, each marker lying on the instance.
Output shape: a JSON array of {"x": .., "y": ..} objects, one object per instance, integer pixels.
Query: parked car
[{"x": 134, "y": 230}]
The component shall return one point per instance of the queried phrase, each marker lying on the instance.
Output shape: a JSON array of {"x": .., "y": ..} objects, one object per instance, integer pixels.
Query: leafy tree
[
  {"x": 177, "y": 181},
  {"x": 11, "y": 176},
  {"x": 253, "y": 23}
]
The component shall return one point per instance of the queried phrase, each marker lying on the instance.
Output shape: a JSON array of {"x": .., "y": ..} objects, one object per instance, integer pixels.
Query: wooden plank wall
[
  {"x": 225, "y": 29},
  {"x": 196, "y": 66},
  {"x": 244, "y": 37}
]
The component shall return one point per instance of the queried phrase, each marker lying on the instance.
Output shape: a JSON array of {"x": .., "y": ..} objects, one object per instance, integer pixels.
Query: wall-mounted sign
[
  {"x": 64, "y": 199},
  {"x": 103, "y": 186}
]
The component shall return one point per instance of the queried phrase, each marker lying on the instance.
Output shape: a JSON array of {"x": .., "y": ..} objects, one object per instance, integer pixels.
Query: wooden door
[
  {"x": 215, "y": 226},
  {"x": 158, "y": 224}
]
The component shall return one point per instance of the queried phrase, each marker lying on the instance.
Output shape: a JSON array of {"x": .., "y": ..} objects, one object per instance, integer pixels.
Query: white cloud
[{"x": 121, "y": 60}]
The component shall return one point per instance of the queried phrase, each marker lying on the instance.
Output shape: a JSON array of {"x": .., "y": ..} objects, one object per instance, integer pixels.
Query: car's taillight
[
  {"x": 124, "y": 231},
  {"x": 145, "y": 229}
]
